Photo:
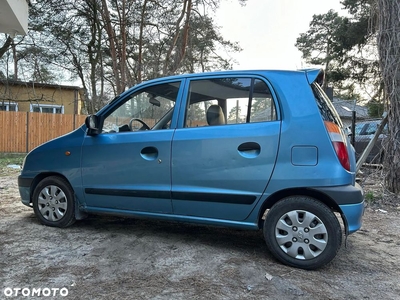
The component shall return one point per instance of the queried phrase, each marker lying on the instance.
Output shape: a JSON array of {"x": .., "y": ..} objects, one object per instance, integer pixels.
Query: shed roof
[
  {"x": 345, "y": 108},
  {"x": 31, "y": 84}
]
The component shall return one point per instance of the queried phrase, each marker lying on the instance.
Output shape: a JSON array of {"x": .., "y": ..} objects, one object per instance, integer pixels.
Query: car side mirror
[{"x": 92, "y": 124}]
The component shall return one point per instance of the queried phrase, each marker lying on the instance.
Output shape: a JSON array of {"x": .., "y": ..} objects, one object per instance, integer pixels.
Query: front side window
[
  {"x": 229, "y": 101},
  {"x": 149, "y": 109}
]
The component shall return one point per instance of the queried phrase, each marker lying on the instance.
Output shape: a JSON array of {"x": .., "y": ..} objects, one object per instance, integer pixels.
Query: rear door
[{"x": 225, "y": 151}]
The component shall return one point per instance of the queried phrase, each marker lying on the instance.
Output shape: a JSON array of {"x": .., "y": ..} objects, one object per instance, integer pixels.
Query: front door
[
  {"x": 127, "y": 165},
  {"x": 225, "y": 152}
]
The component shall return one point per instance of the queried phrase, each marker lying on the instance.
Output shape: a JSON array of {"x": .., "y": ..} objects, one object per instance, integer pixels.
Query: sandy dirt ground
[{"x": 122, "y": 258}]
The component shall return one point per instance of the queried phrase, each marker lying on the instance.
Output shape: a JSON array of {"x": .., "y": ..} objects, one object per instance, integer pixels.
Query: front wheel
[
  {"x": 302, "y": 232},
  {"x": 53, "y": 202}
]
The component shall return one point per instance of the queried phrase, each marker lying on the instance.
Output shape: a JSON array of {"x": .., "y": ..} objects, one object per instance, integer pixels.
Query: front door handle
[{"x": 149, "y": 153}]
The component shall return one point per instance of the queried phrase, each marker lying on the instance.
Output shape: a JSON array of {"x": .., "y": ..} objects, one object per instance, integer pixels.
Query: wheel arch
[
  {"x": 38, "y": 178},
  {"x": 79, "y": 215},
  {"x": 279, "y": 195},
  {"x": 314, "y": 243}
]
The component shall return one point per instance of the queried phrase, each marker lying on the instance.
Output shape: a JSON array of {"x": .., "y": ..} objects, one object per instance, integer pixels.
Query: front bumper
[{"x": 24, "y": 186}]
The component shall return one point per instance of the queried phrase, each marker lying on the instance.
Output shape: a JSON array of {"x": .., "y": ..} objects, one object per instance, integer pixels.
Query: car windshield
[
  {"x": 369, "y": 128},
  {"x": 358, "y": 129}
]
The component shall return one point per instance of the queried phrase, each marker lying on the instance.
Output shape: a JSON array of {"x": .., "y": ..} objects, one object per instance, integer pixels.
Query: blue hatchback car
[{"x": 245, "y": 149}]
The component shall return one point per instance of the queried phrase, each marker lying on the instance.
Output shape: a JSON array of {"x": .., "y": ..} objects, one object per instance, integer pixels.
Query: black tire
[
  {"x": 302, "y": 232},
  {"x": 54, "y": 202}
]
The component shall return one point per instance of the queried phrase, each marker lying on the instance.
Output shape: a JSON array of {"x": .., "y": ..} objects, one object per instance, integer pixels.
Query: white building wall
[{"x": 14, "y": 17}]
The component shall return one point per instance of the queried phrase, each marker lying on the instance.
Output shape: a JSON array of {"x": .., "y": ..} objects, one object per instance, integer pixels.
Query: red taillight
[
  {"x": 341, "y": 152},
  {"x": 339, "y": 144}
]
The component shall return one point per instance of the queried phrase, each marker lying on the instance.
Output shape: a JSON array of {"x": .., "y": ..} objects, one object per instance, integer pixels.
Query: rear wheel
[
  {"x": 53, "y": 202},
  {"x": 302, "y": 232}
]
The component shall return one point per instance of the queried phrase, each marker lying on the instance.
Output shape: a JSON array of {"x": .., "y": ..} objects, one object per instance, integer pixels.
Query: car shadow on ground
[
  {"x": 241, "y": 243},
  {"x": 246, "y": 241},
  {"x": 220, "y": 237}
]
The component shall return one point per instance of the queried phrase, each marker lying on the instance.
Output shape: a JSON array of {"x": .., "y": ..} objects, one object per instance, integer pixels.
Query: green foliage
[
  {"x": 375, "y": 109},
  {"x": 346, "y": 48},
  {"x": 110, "y": 45},
  {"x": 235, "y": 114},
  {"x": 359, "y": 8},
  {"x": 318, "y": 42},
  {"x": 11, "y": 159},
  {"x": 369, "y": 197}
]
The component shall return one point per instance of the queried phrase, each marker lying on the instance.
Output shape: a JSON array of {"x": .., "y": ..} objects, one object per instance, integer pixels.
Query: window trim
[
  {"x": 7, "y": 104},
  {"x": 252, "y": 77},
  {"x": 120, "y": 100},
  {"x": 53, "y": 106}
]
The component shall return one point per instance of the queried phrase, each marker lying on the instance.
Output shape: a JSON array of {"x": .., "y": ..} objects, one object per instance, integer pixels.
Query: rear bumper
[
  {"x": 344, "y": 194},
  {"x": 352, "y": 213},
  {"x": 350, "y": 200}
]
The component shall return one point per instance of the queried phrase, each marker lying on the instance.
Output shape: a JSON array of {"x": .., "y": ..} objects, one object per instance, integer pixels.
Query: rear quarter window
[{"x": 325, "y": 106}]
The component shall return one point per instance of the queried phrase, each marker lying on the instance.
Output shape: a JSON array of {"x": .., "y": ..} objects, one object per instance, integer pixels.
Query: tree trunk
[
  {"x": 389, "y": 58},
  {"x": 113, "y": 47},
  {"x": 140, "y": 55},
  {"x": 122, "y": 45},
  {"x": 15, "y": 59},
  {"x": 7, "y": 44},
  {"x": 167, "y": 69}
]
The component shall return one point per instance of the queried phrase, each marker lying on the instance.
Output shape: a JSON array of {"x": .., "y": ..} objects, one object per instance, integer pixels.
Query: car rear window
[{"x": 328, "y": 112}]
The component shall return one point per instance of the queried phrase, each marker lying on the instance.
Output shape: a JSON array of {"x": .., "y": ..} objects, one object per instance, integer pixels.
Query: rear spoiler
[{"x": 315, "y": 75}]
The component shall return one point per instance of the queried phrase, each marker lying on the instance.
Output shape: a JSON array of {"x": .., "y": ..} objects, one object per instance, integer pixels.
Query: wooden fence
[{"x": 20, "y": 132}]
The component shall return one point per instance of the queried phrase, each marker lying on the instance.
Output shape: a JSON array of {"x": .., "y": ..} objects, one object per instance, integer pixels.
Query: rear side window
[
  {"x": 326, "y": 109},
  {"x": 232, "y": 100}
]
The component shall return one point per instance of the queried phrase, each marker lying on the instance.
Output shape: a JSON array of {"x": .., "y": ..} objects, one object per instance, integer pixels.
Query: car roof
[{"x": 312, "y": 74}]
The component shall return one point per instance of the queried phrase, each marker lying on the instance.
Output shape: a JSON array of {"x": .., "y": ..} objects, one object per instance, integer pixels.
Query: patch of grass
[
  {"x": 369, "y": 197},
  {"x": 11, "y": 159}
]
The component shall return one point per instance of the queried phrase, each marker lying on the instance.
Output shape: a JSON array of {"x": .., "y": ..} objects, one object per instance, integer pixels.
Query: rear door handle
[{"x": 249, "y": 149}]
